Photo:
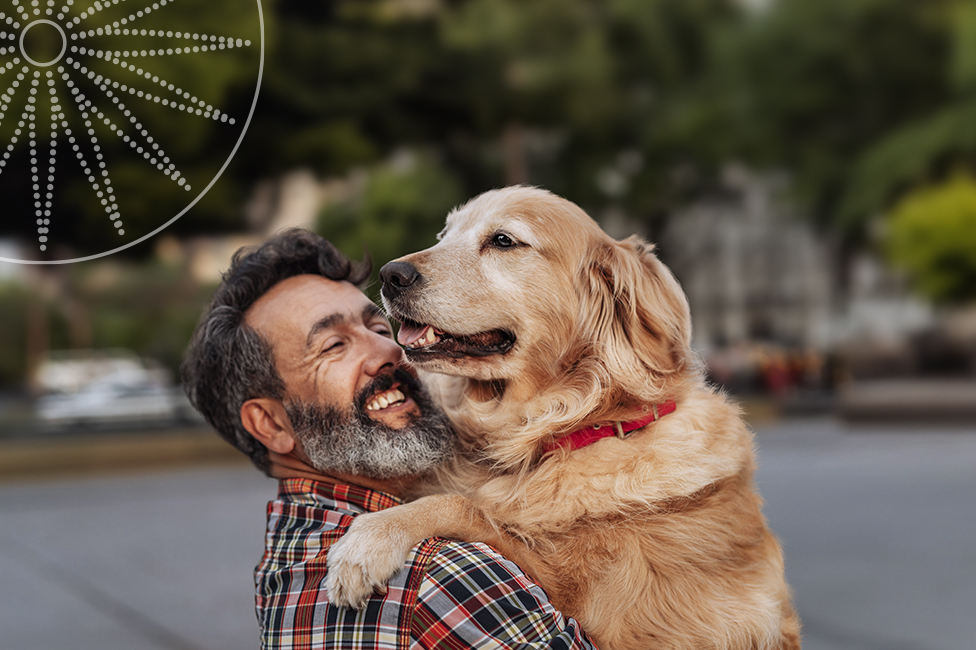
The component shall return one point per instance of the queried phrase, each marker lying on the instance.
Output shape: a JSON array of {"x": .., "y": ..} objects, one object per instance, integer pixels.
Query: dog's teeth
[
  {"x": 382, "y": 402},
  {"x": 429, "y": 337}
]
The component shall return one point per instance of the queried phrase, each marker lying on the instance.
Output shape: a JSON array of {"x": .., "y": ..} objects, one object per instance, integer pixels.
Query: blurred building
[
  {"x": 755, "y": 270},
  {"x": 292, "y": 200},
  {"x": 773, "y": 309},
  {"x": 751, "y": 268}
]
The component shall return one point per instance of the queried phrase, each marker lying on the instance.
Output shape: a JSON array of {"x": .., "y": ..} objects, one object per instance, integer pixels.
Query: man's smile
[{"x": 386, "y": 399}]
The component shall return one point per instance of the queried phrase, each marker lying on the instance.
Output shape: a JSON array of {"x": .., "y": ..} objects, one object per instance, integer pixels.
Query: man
[{"x": 294, "y": 366}]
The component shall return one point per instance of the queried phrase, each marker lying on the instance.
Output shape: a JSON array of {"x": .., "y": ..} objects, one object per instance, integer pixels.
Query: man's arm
[{"x": 472, "y": 597}]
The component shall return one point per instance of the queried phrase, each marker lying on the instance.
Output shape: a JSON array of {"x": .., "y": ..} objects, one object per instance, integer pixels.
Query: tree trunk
[{"x": 513, "y": 143}]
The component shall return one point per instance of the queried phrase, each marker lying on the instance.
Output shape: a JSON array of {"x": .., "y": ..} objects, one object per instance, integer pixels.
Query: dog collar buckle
[{"x": 620, "y": 430}]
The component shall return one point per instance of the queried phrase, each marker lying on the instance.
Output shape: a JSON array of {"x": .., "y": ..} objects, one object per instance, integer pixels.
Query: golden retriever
[{"x": 540, "y": 328}]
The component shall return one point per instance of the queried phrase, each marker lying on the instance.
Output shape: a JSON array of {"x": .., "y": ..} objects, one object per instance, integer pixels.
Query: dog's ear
[{"x": 634, "y": 313}]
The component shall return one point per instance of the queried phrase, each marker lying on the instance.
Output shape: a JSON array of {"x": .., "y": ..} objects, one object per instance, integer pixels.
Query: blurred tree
[
  {"x": 346, "y": 84},
  {"x": 625, "y": 104},
  {"x": 30, "y": 325},
  {"x": 13, "y": 332},
  {"x": 573, "y": 92},
  {"x": 149, "y": 308},
  {"x": 932, "y": 144},
  {"x": 863, "y": 102},
  {"x": 198, "y": 145},
  {"x": 400, "y": 210},
  {"x": 816, "y": 88},
  {"x": 564, "y": 93},
  {"x": 932, "y": 235}
]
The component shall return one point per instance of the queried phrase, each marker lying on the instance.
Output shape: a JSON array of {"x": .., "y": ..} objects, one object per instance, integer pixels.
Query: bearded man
[{"x": 293, "y": 365}]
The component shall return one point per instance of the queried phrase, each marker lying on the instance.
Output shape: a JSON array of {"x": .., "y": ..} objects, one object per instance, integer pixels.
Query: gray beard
[{"x": 351, "y": 443}]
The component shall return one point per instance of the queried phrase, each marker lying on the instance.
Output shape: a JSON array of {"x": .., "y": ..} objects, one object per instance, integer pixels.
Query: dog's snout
[{"x": 398, "y": 275}]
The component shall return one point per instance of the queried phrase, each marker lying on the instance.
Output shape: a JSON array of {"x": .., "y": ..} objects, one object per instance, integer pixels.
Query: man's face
[{"x": 354, "y": 404}]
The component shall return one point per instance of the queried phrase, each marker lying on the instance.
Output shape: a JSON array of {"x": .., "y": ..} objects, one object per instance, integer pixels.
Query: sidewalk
[
  {"x": 910, "y": 399},
  {"x": 86, "y": 454}
]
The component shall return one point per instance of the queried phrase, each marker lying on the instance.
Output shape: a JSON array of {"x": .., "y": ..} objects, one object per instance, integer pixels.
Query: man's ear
[{"x": 266, "y": 420}]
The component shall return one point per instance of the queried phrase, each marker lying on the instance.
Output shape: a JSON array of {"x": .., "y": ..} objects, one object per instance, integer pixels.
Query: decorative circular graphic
[{"x": 118, "y": 116}]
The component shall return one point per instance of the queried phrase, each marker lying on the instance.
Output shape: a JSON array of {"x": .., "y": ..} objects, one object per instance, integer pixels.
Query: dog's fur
[{"x": 656, "y": 541}]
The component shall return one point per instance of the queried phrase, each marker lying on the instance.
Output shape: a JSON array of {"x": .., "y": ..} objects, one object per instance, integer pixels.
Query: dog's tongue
[{"x": 410, "y": 333}]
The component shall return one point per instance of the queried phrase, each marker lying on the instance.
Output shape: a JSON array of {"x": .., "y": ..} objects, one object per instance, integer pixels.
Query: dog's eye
[{"x": 501, "y": 240}]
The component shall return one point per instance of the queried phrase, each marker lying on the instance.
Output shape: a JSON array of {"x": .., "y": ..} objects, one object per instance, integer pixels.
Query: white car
[{"x": 121, "y": 397}]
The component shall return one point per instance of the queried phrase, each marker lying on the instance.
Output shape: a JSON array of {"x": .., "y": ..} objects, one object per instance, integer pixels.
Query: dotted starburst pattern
[{"x": 84, "y": 46}]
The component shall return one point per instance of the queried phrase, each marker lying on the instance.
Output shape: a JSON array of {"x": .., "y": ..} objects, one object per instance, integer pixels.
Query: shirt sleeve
[{"x": 472, "y": 597}]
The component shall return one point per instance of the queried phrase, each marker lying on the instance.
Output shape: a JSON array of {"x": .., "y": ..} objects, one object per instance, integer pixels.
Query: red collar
[{"x": 589, "y": 435}]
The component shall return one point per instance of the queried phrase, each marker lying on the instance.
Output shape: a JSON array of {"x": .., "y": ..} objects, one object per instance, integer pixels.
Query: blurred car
[{"x": 120, "y": 390}]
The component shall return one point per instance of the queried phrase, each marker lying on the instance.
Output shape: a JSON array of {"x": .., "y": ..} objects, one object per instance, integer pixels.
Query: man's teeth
[
  {"x": 383, "y": 400},
  {"x": 429, "y": 338}
]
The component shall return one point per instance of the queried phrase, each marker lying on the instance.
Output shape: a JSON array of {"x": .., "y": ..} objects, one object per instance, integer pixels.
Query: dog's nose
[{"x": 398, "y": 275}]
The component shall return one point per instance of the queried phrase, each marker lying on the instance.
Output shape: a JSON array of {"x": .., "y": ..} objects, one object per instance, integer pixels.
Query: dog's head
[{"x": 525, "y": 291}]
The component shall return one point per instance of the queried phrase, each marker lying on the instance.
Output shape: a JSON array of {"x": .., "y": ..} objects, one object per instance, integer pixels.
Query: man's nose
[{"x": 384, "y": 352}]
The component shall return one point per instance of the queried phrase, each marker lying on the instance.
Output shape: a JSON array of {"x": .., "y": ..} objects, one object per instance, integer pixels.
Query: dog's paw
[{"x": 364, "y": 560}]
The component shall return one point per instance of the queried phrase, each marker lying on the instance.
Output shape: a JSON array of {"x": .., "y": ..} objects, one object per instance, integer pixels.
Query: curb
[{"x": 29, "y": 458}]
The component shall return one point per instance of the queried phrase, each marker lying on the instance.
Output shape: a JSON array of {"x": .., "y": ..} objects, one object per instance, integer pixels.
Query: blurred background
[{"x": 806, "y": 167}]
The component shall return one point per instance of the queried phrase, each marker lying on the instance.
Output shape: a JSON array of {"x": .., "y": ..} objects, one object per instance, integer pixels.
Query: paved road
[
  {"x": 878, "y": 525},
  {"x": 150, "y": 562}
]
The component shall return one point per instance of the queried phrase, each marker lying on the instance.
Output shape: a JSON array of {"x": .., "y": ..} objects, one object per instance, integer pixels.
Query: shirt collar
[{"x": 335, "y": 495}]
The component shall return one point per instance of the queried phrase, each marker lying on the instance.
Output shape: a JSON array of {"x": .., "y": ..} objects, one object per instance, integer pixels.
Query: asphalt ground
[{"x": 877, "y": 523}]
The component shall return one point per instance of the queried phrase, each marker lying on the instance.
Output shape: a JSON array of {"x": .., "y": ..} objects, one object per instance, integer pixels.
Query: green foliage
[
  {"x": 13, "y": 326},
  {"x": 929, "y": 145},
  {"x": 345, "y": 85},
  {"x": 148, "y": 308},
  {"x": 552, "y": 56},
  {"x": 586, "y": 81},
  {"x": 632, "y": 104},
  {"x": 932, "y": 235},
  {"x": 15, "y": 303},
  {"x": 116, "y": 95},
  {"x": 400, "y": 210},
  {"x": 963, "y": 67},
  {"x": 908, "y": 156},
  {"x": 811, "y": 86}
]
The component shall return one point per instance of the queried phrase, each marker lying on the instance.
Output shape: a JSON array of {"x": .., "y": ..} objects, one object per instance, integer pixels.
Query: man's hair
[{"x": 228, "y": 362}]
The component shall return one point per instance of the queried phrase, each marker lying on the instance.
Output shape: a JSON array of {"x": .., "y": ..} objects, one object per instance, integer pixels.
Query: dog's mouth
[{"x": 423, "y": 341}]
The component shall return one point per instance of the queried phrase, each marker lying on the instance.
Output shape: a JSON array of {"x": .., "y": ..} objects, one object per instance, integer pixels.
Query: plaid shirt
[{"x": 450, "y": 595}]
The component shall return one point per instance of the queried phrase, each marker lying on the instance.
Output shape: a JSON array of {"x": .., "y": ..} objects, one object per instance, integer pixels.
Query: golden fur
[{"x": 656, "y": 541}]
